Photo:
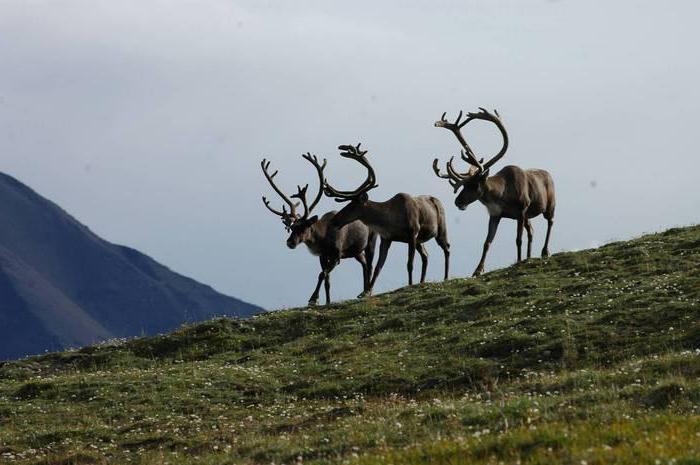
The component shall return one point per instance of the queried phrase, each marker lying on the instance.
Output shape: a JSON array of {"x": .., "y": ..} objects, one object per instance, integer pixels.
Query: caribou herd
[{"x": 513, "y": 192}]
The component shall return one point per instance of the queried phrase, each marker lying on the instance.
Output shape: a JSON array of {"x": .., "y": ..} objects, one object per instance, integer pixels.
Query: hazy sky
[{"x": 147, "y": 120}]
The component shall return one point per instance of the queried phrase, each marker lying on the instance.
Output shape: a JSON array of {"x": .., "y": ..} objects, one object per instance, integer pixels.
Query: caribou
[
  {"x": 512, "y": 193},
  {"x": 402, "y": 218},
  {"x": 323, "y": 239}
]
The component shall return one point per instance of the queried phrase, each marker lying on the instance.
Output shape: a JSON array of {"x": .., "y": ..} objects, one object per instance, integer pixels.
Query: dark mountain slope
[{"x": 62, "y": 285}]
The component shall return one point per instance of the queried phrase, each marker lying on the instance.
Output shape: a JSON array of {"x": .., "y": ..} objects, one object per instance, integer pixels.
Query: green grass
[{"x": 588, "y": 357}]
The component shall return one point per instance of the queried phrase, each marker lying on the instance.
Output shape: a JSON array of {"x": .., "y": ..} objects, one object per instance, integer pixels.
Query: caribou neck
[
  {"x": 492, "y": 194},
  {"x": 317, "y": 233},
  {"x": 374, "y": 214},
  {"x": 382, "y": 217}
]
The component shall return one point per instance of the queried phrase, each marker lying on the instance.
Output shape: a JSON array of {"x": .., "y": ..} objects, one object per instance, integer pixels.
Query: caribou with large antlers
[
  {"x": 511, "y": 193},
  {"x": 328, "y": 242},
  {"x": 402, "y": 218}
]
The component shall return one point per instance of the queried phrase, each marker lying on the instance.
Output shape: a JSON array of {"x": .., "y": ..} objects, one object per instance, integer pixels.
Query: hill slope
[
  {"x": 588, "y": 357},
  {"x": 61, "y": 285}
]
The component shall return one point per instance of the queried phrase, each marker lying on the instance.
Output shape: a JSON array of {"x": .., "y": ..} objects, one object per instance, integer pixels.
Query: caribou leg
[
  {"x": 313, "y": 300},
  {"x": 369, "y": 256},
  {"x": 493, "y": 226},
  {"x": 545, "y": 249},
  {"x": 362, "y": 258},
  {"x": 383, "y": 251},
  {"x": 519, "y": 236},
  {"x": 330, "y": 264},
  {"x": 445, "y": 246},
  {"x": 411, "y": 257},
  {"x": 528, "y": 228},
  {"x": 424, "y": 261}
]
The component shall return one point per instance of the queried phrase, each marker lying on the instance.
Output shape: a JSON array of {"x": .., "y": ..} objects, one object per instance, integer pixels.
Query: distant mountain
[{"x": 63, "y": 286}]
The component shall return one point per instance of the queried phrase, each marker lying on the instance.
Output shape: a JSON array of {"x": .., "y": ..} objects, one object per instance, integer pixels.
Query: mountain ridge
[{"x": 80, "y": 288}]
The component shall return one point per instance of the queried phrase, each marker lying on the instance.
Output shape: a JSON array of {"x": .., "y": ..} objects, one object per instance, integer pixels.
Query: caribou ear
[
  {"x": 313, "y": 219},
  {"x": 485, "y": 174},
  {"x": 363, "y": 198}
]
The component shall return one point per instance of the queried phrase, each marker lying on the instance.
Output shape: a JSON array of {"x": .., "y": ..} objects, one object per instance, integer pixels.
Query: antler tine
[
  {"x": 360, "y": 152},
  {"x": 454, "y": 181},
  {"x": 354, "y": 153},
  {"x": 437, "y": 170},
  {"x": 454, "y": 173},
  {"x": 265, "y": 165},
  {"x": 301, "y": 195},
  {"x": 470, "y": 158},
  {"x": 288, "y": 219},
  {"x": 321, "y": 178},
  {"x": 267, "y": 204},
  {"x": 495, "y": 118}
]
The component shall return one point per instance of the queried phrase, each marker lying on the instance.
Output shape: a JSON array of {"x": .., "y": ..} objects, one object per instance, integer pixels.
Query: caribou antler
[
  {"x": 287, "y": 217},
  {"x": 456, "y": 128},
  {"x": 468, "y": 154},
  {"x": 321, "y": 179},
  {"x": 354, "y": 153},
  {"x": 455, "y": 178},
  {"x": 495, "y": 118},
  {"x": 301, "y": 195}
]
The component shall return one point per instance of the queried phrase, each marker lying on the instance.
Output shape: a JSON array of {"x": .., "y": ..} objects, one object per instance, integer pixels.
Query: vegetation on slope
[{"x": 588, "y": 357}]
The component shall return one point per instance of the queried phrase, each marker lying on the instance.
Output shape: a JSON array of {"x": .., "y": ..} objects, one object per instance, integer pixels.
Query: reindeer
[
  {"x": 402, "y": 218},
  {"x": 511, "y": 193},
  {"x": 329, "y": 243}
]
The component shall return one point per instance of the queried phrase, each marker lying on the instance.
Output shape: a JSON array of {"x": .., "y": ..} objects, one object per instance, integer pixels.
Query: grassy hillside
[{"x": 588, "y": 357}]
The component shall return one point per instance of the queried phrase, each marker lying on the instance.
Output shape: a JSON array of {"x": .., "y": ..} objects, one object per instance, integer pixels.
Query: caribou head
[
  {"x": 299, "y": 226},
  {"x": 358, "y": 197},
  {"x": 471, "y": 182}
]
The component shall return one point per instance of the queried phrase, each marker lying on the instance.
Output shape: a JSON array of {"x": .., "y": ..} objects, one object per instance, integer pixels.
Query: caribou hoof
[
  {"x": 364, "y": 294},
  {"x": 312, "y": 303},
  {"x": 477, "y": 272},
  {"x": 545, "y": 253}
]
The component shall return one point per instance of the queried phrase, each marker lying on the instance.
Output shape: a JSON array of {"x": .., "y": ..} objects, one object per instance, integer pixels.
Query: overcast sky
[{"x": 147, "y": 120}]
